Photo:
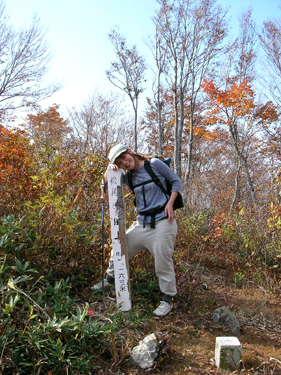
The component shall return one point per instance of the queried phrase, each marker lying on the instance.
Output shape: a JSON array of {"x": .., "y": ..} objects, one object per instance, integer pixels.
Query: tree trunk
[
  {"x": 189, "y": 157},
  {"x": 159, "y": 111},
  {"x": 241, "y": 158},
  {"x": 136, "y": 127},
  {"x": 250, "y": 182},
  {"x": 177, "y": 155},
  {"x": 236, "y": 188},
  {"x": 181, "y": 125}
]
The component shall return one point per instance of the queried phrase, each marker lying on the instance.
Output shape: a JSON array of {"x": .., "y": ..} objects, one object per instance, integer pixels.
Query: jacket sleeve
[{"x": 160, "y": 168}]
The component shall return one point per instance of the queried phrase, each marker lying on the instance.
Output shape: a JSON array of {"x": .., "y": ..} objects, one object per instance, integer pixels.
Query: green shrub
[{"x": 44, "y": 328}]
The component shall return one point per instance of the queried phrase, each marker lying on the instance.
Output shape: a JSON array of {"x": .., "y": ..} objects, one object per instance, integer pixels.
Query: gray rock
[
  {"x": 144, "y": 354},
  {"x": 227, "y": 319}
]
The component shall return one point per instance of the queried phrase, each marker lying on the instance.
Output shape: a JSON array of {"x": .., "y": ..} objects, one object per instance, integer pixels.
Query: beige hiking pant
[{"x": 160, "y": 243}]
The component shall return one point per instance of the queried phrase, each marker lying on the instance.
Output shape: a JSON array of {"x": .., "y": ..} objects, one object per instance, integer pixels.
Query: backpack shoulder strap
[
  {"x": 155, "y": 179},
  {"x": 130, "y": 180}
]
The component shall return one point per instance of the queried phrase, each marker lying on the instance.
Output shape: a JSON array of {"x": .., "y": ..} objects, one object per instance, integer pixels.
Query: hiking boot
[
  {"x": 98, "y": 286},
  {"x": 163, "y": 309}
]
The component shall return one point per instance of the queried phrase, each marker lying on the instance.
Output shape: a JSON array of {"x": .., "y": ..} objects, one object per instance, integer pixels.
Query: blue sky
[{"x": 78, "y": 36}]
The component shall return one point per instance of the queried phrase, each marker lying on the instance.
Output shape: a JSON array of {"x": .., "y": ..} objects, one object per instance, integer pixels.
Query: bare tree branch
[
  {"x": 127, "y": 73},
  {"x": 24, "y": 62}
]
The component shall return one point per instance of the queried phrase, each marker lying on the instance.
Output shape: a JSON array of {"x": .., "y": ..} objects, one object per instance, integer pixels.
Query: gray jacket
[{"x": 150, "y": 196}]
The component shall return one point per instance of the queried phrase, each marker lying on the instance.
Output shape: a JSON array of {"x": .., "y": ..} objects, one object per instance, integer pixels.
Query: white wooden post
[{"x": 119, "y": 243}]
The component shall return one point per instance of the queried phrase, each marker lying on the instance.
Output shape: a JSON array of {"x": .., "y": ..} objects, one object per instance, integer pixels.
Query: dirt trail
[{"x": 187, "y": 335}]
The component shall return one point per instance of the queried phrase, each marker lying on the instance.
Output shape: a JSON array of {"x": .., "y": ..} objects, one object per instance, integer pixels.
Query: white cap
[{"x": 115, "y": 152}]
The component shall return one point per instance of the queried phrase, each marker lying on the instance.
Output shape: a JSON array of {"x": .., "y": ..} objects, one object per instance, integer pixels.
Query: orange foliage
[
  {"x": 237, "y": 102},
  {"x": 53, "y": 192},
  {"x": 150, "y": 125},
  {"x": 48, "y": 126},
  {"x": 15, "y": 166},
  {"x": 208, "y": 135}
]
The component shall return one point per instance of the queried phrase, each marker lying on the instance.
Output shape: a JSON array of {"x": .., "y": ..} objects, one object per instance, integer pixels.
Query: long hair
[{"x": 137, "y": 156}]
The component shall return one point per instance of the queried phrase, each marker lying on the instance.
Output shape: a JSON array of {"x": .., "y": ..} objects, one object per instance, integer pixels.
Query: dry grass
[{"x": 188, "y": 334}]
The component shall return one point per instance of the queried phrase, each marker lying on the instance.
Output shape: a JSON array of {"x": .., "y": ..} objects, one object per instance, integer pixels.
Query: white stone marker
[
  {"x": 228, "y": 353},
  {"x": 119, "y": 243}
]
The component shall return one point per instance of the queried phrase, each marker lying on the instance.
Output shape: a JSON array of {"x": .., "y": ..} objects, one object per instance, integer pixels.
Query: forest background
[{"x": 214, "y": 108}]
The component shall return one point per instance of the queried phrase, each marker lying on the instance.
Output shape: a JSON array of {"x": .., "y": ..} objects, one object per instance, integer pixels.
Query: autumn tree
[
  {"x": 32, "y": 157},
  {"x": 159, "y": 52},
  {"x": 48, "y": 129},
  {"x": 127, "y": 73},
  {"x": 192, "y": 32},
  {"x": 211, "y": 183},
  {"x": 272, "y": 143},
  {"x": 237, "y": 65},
  {"x": 245, "y": 48},
  {"x": 60, "y": 166},
  {"x": 235, "y": 109},
  {"x": 159, "y": 138},
  {"x": 240, "y": 56},
  {"x": 24, "y": 61},
  {"x": 270, "y": 39},
  {"x": 51, "y": 194},
  {"x": 99, "y": 123},
  {"x": 16, "y": 168}
]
